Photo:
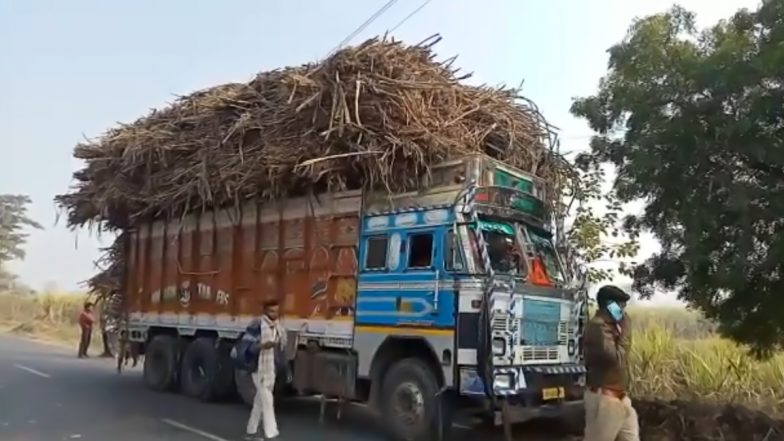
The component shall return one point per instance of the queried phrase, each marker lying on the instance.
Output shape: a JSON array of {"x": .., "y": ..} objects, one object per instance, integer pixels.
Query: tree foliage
[
  {"x": 693, "y": 122},
  {"x": 13, "y": 222},
  {"x": 594, "y": 235}
]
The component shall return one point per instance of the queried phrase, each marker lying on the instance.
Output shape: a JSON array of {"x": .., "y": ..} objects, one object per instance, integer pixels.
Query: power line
[
  {"x": 362, "y": 27},
  {"x": 413, "y": 13}
]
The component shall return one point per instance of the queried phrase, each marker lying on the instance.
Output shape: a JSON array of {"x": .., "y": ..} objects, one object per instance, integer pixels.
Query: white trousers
[{"x": 263, "y": 408}]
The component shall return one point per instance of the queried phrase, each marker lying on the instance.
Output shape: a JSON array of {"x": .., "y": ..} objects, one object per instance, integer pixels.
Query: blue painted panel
[
  {"x": 540, "y": 322},
  {"x": 406, "y": 220},
  {"x": 380, "y": 307}
]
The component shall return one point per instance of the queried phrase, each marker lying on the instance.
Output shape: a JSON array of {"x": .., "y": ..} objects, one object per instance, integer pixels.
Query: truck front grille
[{"x": 540, "y": 353}]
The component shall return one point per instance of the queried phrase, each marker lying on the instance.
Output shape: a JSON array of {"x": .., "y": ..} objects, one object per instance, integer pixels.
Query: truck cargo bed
[{"x": 215, "y": 269}]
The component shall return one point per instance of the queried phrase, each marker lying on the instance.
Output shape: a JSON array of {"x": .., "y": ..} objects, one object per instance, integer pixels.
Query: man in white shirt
[{"x": 272, "y": 334}]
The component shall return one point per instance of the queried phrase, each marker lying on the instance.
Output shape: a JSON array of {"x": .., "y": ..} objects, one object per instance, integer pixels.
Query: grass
[
  {"x": 707, "y": 369},
  {"x": 675, "y": 354},
  {"x": 52, "y": 318}
]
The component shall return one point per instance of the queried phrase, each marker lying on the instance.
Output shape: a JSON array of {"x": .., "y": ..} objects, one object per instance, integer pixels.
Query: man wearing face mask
[{"x": 609, "y": 415}]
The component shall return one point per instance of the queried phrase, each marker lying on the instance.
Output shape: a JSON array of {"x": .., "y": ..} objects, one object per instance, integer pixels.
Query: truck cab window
[
  {"x": 502, "y": 247},
  {"x": 376, "y": 258},
  {"x": 421, "y": 254},
  {"x": 503, "y": 254},
  {"x": 544, "y": 255}
]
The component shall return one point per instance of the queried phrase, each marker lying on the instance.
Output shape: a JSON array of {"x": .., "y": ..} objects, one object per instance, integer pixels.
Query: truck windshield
[
  {"x": 545, "y": 268},
  {"x": 501, "y": 246}
]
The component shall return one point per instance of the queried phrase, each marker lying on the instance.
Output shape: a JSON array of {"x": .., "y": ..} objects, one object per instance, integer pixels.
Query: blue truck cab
[{"x": 463, "y": 302}]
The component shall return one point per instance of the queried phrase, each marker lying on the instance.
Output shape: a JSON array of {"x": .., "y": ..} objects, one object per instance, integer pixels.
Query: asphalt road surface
[{"x": 47, "y": 394}]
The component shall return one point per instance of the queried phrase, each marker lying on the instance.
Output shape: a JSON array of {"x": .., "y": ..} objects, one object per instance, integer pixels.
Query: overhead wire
[
  {"x": 362, "y": 27},
  {"x": 407, "y": 17}
]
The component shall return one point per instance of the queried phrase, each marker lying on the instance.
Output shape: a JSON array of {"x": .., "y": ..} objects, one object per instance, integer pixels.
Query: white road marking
[
  {"x": 32, "y": 371},
  {"x": 193, "y": 430}
]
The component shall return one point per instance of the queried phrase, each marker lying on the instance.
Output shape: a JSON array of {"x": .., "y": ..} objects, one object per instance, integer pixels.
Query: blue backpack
[{"x": 245, "y": 352}]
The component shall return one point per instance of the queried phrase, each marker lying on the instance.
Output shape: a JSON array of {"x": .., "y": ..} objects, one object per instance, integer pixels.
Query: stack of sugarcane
[{"x": 377, "y": 115}]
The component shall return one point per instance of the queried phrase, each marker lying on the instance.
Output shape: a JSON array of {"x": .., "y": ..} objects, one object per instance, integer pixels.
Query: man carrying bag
[{"x": 256, "y": 352}]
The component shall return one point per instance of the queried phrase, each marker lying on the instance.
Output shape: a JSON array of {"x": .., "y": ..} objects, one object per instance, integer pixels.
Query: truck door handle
[{"x": 436, "y": 289}]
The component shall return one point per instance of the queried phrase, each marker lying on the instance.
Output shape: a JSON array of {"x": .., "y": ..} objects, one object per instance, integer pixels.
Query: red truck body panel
[{"x": 218, "y": 266}]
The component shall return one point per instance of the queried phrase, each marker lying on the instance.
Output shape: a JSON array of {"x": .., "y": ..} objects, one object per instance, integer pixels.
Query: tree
[
  {"x": 7, "y": 280},
  {"x": 693, "y": 122},
  {"x": 13, "y": 221},
  {"x": 593, "y": 236}
]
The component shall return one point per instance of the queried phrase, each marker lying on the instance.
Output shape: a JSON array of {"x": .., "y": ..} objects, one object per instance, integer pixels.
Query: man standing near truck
[
  {"x": 103, "y": 322},
  {"x": 86, "y": 320},
  {"x": 609, "y": 415},
  {"x": 271, "y": 336}
]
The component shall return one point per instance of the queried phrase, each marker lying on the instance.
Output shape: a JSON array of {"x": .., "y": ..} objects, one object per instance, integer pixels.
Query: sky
[{"x": 71, "y": 70}]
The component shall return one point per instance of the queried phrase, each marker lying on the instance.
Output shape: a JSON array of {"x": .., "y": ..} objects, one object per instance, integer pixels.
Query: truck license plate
[{"x": 553, "y": 393}]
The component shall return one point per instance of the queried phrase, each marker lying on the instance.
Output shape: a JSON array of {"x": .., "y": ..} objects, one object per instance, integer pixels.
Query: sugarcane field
[{"x": 232, "y": 221}]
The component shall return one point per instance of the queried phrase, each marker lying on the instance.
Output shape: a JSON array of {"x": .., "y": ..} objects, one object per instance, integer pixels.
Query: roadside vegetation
[
  {"x": 46, "y": 317},
  {"x": 670, "y": 364}
]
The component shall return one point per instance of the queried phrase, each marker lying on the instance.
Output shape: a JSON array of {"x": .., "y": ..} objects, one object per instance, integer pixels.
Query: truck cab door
[{"x": 412, "y": 290}]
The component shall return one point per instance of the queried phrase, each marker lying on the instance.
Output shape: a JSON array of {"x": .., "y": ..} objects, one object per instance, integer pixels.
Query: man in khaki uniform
[{"x": 609, "y": 415}]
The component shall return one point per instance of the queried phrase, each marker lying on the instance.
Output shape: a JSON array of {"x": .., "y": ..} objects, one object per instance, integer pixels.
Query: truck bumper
[
  {"x": 517, "y": 413},
  {"x": 529, "y": 391}
]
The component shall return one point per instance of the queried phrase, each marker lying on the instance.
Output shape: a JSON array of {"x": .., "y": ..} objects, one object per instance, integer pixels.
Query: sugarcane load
[{"x": 401, "y": 219}]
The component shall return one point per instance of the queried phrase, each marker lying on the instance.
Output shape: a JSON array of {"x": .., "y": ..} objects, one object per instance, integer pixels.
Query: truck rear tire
[
  {"x": 160, "y": 363},
  {"x": 410, "y": 402},
  {"x": 204, "y": 370},
  {"x": 246, "y": 389}
]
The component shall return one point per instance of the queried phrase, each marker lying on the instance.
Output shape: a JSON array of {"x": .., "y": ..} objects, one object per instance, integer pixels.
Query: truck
[{"x": 424, "y": 305}]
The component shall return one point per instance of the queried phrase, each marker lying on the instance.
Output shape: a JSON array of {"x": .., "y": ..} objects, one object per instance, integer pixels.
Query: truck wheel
[
  {"x": 410, "y": 404},
  {"x": 160, "y": 363},
  {"x": 203, "y": 372},
  {"x": 224, "y": 381},
  {"x": 246, "y": 389}
]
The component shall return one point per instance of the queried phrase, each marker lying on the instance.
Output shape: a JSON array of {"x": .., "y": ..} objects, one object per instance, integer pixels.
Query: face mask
[{"x": 616, "y": 312}]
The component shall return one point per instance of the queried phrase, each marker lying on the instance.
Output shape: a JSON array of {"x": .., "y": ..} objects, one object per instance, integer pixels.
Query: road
[{"x": 47, "y": 394}]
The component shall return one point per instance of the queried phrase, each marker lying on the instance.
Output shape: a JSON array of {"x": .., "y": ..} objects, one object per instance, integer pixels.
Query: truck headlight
[
  {"x": 503, "y": 381},
  {"x": 571, "y": 347},
  {"x": 499, "y": 346}
]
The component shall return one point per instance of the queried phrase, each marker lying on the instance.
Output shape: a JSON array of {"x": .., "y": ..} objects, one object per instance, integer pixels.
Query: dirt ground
[
  {"x": 692, "y": 421},
  {"x": 666, "y": 421}
]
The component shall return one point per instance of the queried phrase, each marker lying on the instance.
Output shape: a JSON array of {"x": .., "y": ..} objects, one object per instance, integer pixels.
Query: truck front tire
[
  {"x": 411, "y": 404},
  {"x": 160, "y": 363},
  {"x": 204, "y": 370}
]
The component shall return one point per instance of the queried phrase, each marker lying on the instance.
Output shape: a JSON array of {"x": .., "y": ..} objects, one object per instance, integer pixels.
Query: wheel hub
[
  {"x": 408, "y": 403},
  {"x": 198, "y": 373}
]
